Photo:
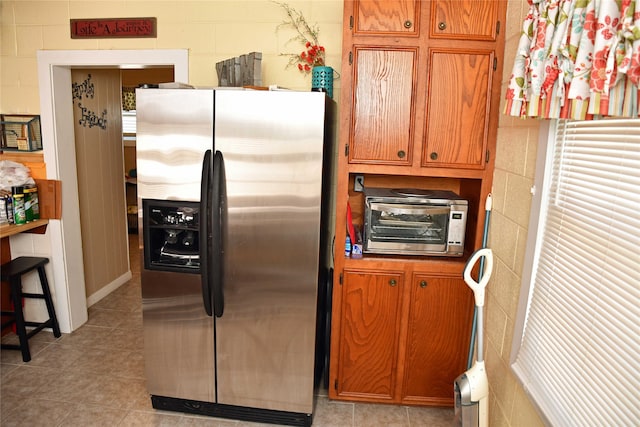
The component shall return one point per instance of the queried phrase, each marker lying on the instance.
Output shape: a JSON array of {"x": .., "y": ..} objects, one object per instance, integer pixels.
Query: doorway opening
[
  {"x": 106, "y": 169},
  {"x": 54, "y": 76}
]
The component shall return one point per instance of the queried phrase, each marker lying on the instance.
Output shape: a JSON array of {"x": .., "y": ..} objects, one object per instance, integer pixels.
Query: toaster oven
[{"x": 414, "y": 222}]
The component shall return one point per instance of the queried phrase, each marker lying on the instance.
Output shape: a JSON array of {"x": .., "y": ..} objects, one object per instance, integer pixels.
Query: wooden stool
[{"x": 12, "y": 272}]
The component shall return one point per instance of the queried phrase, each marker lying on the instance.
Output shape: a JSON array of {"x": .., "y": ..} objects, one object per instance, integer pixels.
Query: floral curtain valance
[{"x": 577, "y": 59}]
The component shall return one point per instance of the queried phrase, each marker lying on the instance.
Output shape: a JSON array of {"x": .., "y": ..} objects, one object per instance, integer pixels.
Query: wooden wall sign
[{"x": 113, "y": 28}]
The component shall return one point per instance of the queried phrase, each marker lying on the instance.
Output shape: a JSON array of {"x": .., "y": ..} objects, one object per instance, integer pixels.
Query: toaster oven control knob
[
  {"x": 392, "y": 282},
  {"x": 423, "y": 283},
  {"x": 401, "y": 154},
  {"x": 434, "y": 155}
]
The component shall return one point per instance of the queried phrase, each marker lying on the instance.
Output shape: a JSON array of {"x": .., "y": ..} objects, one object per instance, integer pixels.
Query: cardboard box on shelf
[{"x": 50, "y": 198}]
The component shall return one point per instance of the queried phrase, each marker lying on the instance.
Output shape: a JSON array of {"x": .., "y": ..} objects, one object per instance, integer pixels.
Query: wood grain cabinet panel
[
  {"x": 464, "y": 19},
  {"x": 383, "y": 106},
  {"x": 440, "y": 313},
  {"x": 369, "y": 333},
  {"x": 387, "y": 17},
  {"x": 457, "y": 125}
]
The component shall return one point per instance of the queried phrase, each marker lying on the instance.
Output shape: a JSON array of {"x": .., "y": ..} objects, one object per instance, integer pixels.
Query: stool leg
[
  {"x": 16, "y": 297},
  {"x": 49, "y": 301}
]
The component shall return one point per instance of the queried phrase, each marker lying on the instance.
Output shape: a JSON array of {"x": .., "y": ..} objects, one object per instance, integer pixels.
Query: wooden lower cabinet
[
  {"x": 370, "y": 318},
  {"x": 400, "y": 341},
  {"x": 437, "y": 345}
]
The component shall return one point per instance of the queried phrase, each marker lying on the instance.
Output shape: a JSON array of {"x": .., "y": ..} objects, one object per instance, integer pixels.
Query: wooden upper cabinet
[
  {"x": 464, "y": 19},
  {"x": 382, "y": 117},
  {"x": 440, "y": 313},
  {"x": 386, "y": 17},
  {"x": 457, "y": 125},
  {"x": 370, "y": 318}
]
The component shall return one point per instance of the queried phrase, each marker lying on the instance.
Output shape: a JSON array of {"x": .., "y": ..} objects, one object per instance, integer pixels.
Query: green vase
[{"x": 322, "y": 80}]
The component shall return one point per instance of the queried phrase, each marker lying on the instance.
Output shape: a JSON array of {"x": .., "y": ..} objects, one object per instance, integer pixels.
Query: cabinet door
[
  {"x": 458, "y": 109},
  {"x": 384, "y": 17},
  {"x": 382, "y": 117},
  {"x": 370, "y": 319},
  {"x": 464, "y": 19},
  {"x": 440, "y": 318}
]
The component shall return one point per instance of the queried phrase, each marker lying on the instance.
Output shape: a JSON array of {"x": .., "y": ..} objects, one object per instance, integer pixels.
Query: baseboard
[{"x": 107, "y": 289}]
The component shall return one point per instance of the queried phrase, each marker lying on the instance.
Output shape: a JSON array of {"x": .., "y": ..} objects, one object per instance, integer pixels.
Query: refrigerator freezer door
[
  {"x": 174, "y": 130},
  {"x": 272, "y": 143},
  {"x": 178, "y": 337}
]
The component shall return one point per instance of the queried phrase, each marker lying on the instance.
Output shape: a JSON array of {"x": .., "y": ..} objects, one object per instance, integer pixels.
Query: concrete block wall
[
  {"x": 212, "y": 30},
  {"x": 513, "y": 178}
]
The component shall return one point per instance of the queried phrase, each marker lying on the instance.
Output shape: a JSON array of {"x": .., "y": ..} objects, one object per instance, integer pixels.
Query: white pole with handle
[{"x": 472, "y": 387}]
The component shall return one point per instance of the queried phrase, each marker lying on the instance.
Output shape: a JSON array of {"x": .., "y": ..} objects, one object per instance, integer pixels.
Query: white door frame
[{"x": 58, "y": 141}]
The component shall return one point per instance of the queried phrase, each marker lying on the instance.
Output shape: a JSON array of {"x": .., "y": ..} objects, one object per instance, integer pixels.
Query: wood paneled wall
[{"x": 100, "y": 166}]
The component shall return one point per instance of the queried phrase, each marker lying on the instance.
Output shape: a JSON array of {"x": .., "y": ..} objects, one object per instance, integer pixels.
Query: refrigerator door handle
[
  {"x": 205, "y": 234},
  {"x": 218, "y": 236}
]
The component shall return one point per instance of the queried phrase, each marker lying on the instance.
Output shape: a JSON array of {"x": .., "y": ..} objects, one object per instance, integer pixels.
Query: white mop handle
[{"x": 478, "y": 287}]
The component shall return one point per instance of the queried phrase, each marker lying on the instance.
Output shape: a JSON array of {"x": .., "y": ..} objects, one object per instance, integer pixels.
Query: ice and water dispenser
[{"x": 171, "y": 235}]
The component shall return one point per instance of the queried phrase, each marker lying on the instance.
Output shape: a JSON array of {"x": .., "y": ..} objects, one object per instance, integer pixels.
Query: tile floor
[{"x": 95, "y": 377}]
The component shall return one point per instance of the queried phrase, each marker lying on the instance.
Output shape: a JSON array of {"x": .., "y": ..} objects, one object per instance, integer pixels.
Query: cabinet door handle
[
  {"x": 442, "y": 26},
  {"x": 408, "y": 24},
  {"x": 401, "y": 154},
  {"x": 434, "y": 156},
  {"x": 392, "y": 282},
  {"x": 423, "y": 283}
]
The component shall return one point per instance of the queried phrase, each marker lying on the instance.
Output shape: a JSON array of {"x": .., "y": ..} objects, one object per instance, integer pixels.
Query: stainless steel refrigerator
[{"x": 233, "y": 188}]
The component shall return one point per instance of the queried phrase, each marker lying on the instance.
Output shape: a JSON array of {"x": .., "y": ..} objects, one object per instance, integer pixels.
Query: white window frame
[
  {"x": 532, "y": 252},
  {"x": 541, "y": 190}
]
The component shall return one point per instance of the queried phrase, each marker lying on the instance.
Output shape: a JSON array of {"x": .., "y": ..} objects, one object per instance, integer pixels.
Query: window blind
[
  {"x": 579, "y": 358},
  {"x": 129, "y": 122}
]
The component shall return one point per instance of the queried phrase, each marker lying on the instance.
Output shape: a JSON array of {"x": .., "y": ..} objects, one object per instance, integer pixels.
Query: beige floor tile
[
  {"x": 15, "y": 356},
  {"x": 27, "y": 380},
  {"x": 129, "y": 339},
  {"x": 38, "y": 412},
  {"x": 156, "y": 419},
  {"x": 114, "y": 392},
  {"x": 125, "y": 364},
  {"x": 69, "y": 386},
  {"x": 197, "y": 421},
  {"x": 96, "y": 360},
  {"x": 370, "y": 415},
  {"x": 94, "y": 416},
  {"x": 133, "y": 320},
  {"x": 332, "y": 414},
  {"x": 44, "y": 336},
  {"x": 8, "y": 404},
  {"x": 431, "y": 417},
  {"x": 6, "y": 368},
  {"x": 107, "y": 318},
  {"x": 87, "y": 336},
  {"x": 57, "y": 356}
]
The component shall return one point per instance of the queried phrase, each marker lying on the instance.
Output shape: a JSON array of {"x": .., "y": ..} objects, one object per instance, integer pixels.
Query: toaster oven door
[{"x": 406, "y": 228}]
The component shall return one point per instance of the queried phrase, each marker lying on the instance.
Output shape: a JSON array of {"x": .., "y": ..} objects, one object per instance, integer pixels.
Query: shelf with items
[
  {"x": 469, "y": 189},
  {"x": 20, "y": 132}
]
